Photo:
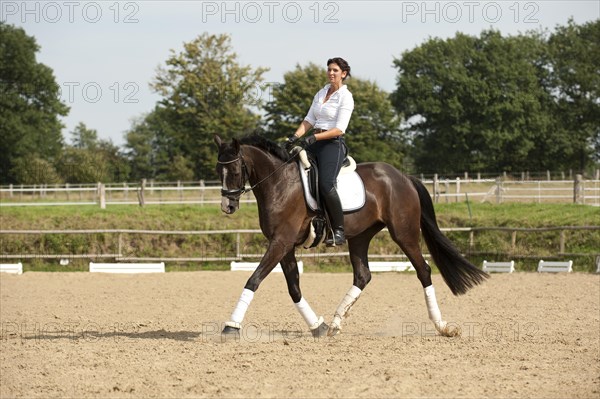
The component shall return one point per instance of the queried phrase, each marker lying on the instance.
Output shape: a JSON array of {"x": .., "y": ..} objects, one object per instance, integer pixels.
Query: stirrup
[{"x": 338, "y": 238}]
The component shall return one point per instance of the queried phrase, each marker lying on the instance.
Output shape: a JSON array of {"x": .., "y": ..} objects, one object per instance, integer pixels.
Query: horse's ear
[
  {"x": 218, "y": 140},
  {"x": 236, "y": 145}
]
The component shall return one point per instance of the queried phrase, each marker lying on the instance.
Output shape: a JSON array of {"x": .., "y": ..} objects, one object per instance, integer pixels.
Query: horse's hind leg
[
  {"x": 289, "y": 265},
  {"x": 408, "y": 240},
  {"x": 359, "y": 248}
]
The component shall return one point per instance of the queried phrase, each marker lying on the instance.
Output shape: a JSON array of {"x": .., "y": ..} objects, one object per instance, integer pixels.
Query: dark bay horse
[{"x": 393, "y": 200}]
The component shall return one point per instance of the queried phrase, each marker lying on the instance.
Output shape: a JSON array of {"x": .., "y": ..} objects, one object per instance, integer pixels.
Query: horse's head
[{"x": 232, "y": 173}]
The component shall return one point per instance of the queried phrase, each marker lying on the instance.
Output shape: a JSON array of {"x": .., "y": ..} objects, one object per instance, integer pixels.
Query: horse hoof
[
  {"x": 228, "y": 330},
  {"x": 333, "y": 330},
  {"x": 451, "y": 331},
  {"x": 448, "y": 330},
  {"x": 320, "y": 331}
]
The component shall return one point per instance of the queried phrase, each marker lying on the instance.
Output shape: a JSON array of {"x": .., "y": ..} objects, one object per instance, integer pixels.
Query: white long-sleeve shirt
[{"x": 335, "y": 112}]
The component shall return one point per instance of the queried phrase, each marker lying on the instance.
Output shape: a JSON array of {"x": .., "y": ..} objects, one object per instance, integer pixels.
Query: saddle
[{"x": 350, "y": 189}]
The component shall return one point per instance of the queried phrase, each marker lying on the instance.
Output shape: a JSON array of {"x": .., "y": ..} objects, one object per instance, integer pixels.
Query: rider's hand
[
  {"x": 303, "y": 142},
  {"x": 291, "y": 142},
  {"x": 306, "y": 141}
]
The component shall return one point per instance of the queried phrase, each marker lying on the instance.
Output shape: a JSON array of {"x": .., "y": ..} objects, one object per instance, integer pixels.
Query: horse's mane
[{"x": 265, "y": 144}]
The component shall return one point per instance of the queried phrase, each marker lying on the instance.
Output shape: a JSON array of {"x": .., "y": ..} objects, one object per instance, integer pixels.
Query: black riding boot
[{"x": 336, "y": 216}]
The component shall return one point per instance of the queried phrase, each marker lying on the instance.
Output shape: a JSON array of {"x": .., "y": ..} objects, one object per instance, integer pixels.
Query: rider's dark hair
[{"x": 341, "y": 63}]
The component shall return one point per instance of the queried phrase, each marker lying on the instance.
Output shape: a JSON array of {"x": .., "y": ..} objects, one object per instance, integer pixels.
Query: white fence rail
[{"x": 500, "y": 190}]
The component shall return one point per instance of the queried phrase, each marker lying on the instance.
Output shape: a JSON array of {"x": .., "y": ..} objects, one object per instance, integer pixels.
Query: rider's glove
[
  {"x": 291, "y": 143},
  {"x": 294, "y": 142}
]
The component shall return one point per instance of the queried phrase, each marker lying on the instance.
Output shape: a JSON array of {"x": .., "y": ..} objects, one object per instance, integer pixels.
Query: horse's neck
[
  {"x": 262, "y": 168},
  {"x": 275, "y": 191}
]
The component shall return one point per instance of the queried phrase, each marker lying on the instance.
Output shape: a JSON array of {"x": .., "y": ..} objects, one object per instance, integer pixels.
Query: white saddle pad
[{"x": 350, "y": 188}]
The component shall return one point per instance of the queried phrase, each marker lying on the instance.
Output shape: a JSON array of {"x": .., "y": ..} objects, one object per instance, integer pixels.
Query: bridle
[{"x": 236, "y": 193}]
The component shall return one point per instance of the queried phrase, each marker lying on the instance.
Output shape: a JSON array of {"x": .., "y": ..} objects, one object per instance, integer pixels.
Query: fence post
[
  {"x": 102, "y": 194},
  {"x": 578, "y": 194},
  {"x": 141, "y": 193},
  {"x": 471, "y": 240},
  {"x": 447, "y": 190},
  {"x": 513, "y": 240},
  {"x": 548, "y": 175},
  {"x": 201, "y": 192},
  {"x": 120, "y": 245},
  {"x": 436, "y": 188},
  {"x": 10, "y": 190},
  {"x": 457, "y": 188},
  {"x": 499, "y": 190}
]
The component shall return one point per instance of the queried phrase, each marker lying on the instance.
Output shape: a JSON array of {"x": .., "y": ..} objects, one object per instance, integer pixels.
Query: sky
[{"x": 104, "y": 54}]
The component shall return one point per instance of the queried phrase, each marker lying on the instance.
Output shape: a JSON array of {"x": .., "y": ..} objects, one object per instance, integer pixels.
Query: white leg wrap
[
  {"x": 344, "y": 306},
  {"x": 433, "y": 309},
  {"x": 242, "y": 306},
  {"x": 308, "y": 314}
]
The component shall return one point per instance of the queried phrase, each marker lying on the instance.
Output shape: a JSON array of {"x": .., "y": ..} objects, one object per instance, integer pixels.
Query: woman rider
[{"x": 329, "y": 116}]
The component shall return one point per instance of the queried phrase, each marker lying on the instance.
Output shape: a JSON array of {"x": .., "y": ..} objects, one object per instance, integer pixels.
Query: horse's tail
[{"x": 458, "y": 272}]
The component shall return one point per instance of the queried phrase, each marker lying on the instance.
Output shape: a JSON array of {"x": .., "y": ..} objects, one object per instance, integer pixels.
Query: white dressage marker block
[
  {"x": 13, "y": 268},
  {"x": 391, "y": 267},
  {"x": 251, "y": 266},
  {"x": 598, "y": 264},
  {"x": 499, "y": 267},
  {"x": 127, "y": 267},
  {"x": 555, "y": 267}
]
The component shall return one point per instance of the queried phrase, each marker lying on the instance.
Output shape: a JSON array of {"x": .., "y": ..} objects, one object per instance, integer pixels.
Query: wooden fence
[
  {"x": 238, "y": 253},
  {"x": 499, "y": 190}
]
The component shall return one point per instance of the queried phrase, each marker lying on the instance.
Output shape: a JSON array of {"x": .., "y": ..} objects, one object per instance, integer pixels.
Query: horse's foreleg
[
  {"x": 273, "y": 255},
  {"x": 358, "y": 247},
  {"x": 317, "y": 325}
]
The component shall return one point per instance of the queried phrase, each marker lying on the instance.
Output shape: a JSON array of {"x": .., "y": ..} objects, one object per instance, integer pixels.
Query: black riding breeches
[{"x": 330, "y": 155}]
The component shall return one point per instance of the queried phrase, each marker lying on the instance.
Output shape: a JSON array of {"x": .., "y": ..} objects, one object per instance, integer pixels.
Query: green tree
[
  {"x": 30, "y": 169},
  {"x": 29, "y": 103},
  {"x": 374, "y": 130},
  {"x": 289, "y": 102},
  {"x": 92, "y": 160},
  {"x": 574, "y": 84},
  {"x": 206, "y": 91},
  {"x": 82, "y": 137},
  {"x": 154, "y": 148},
  {"x": 140, "y": 149},
  {"x": 474, "y": 103},
  {"x": 496, "y": 103}
]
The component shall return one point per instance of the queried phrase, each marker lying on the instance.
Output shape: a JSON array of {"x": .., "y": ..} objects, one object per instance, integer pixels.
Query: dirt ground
[{"x": 76, "y": 335}]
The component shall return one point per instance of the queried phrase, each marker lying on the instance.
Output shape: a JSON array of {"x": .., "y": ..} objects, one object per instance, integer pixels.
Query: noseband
[{"x": 235, "y": 194}]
